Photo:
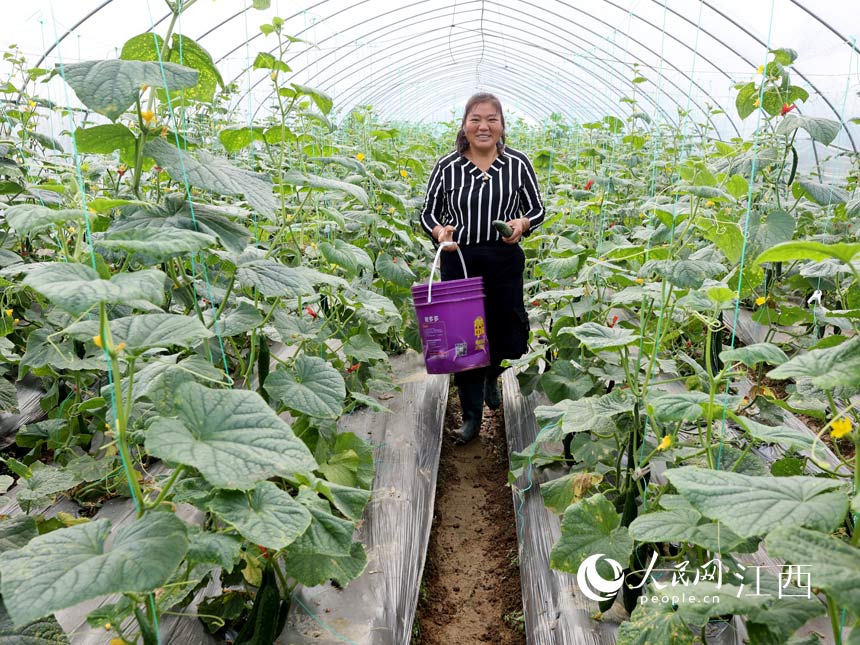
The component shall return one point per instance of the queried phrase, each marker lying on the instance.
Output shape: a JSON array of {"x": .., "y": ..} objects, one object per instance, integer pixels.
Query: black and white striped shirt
[{"x": 461, "y": 194}]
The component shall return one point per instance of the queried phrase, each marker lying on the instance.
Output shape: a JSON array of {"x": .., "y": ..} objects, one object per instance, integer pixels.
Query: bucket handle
[{"x": 436, "y": 261}]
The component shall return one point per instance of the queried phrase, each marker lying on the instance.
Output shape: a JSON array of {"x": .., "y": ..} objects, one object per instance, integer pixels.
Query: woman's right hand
[{"x": 446, "y": 234}]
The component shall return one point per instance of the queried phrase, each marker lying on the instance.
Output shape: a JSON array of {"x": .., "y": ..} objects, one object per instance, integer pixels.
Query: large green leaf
[
  {"x": 234, "y": 139},
  {"x": 145, "y": 331},
  {"x": 754, "y": 354},
  {"x": 745, "y": 100},
  {"x": 65, "y": 567},
  {"x": 347, "y": 499},
  {"x": 294, "y": 178},
  {"x": 680, "y": 406},
  {"x": 349, "y": 462},
  {"x": 26, "y": 219},
  {"x": 272, "y": 278},
  {"x": 232, "y": 437},
  {"x": 826, "y": 368},
  {"x": 395, "y": 270},
  {"x": 821, "y": 130},
  {"x": 238, "y": 320},
  {"x": 564, "y": 380},
  {"x": 379, "y": 312},
  {"x": 683, "y": 524},
  {"x": 591, "y": 526},
  {"x": 561, "y": 492},
  {"x": 45, "y": 349},
  {"x": 777, "y": 434},
  {"x": 16, "y": 532},
  {"x": 821, "y": 194},
  {"x": 104, "y": 139},
  {"x": 322, "y": 100},
  {"x": 833, "y": 565},
  {"x": 311, "y": 569},
  {"x": 653, "y": 623},
  {"x": 110, "y": 87},
  {"x": 214, "y": 173},
  {"x": 809, "y": 250},
  {"x": 184, "y": 51},
  {"x": 348, "y": 256},
  {"x": 776, "y": 228},
  {"x": 46, "y": 631},
  {"x": 312, "y": 387},
  {"x": 600, "y": 337},
  {"x": 156, "y": 245},
  {"x": 326, "y": 550},
  {"x": 362, "y": 347},
  {"x": 76, "y": 287},
  {"x": 593, "y": 413},
  {"x": 755, "y": 505},
  {"x": 685, "y": 274},
  {"x": 266, "y": 515}
]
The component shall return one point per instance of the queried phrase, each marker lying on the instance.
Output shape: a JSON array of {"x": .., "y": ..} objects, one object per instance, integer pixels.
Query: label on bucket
[{"x": 435, "y": 338}]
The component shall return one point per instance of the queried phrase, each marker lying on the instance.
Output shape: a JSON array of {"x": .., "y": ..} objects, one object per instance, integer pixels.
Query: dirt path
[{"x": 471, "y": 587}]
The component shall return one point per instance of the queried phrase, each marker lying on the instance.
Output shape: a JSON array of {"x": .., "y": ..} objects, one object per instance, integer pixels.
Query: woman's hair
[{"x": 483, "y": 97}]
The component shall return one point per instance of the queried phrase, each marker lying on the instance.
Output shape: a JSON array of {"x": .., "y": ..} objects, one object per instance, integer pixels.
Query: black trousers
[{"x": 501, "y": 266}]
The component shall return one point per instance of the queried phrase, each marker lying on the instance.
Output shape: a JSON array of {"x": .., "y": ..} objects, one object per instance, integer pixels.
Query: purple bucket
[{"x": 451, "y": 323}]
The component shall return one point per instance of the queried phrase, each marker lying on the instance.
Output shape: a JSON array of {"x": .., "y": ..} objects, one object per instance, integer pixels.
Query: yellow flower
[
  {"x": 8, "y": 312},
  {"x": 760, "y": 301},
  {"x": 760, "y": 69},
  {"x": 709, "y": 203},
  {"x": 117, "y": 641},
  {"x": 107, "y": 626},
  {"x": 143, "y": 88},
  {"x": 72, "y": 230},
  {"x": 120, "y": 347},
  {"x": 31, "y": 105},
  {"x": 273, "y": 75},
  {"x": 15, "y": 321},
  {"x": 360, "y": 156},
  {"x": 163, "y": 134},
  {"x": 404, "y": 174},
  {"x": 392, "y": 209},
  {"x": 665, "y": 442},
  {"x": 640, "y": 280},
  {"x": 148, "y": 116},
  {"x": 840, "y": 427},
  {"x": 757, "y": 103},
  {"x": 97, "y": 340}
]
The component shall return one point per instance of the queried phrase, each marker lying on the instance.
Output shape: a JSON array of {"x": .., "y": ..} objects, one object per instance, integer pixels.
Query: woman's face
[{"x": 483, "y": 127}]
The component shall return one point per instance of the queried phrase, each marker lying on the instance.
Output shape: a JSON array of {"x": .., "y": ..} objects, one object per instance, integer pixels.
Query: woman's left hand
[{"x": 520, "y": 226}]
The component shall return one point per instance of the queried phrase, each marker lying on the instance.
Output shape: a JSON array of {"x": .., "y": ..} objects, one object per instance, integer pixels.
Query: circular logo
[{"x": 592, "y": 584}]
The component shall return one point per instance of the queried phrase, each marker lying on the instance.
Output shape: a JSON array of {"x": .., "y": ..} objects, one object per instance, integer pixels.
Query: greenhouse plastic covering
[{"x": 418, "y": 61}]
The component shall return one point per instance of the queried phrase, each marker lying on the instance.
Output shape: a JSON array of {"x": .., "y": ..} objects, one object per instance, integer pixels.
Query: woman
[{"x": 484, "y": 180}]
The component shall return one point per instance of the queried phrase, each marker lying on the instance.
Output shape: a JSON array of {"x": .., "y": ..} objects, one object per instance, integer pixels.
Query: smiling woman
[{"x": 481, "y": 182}]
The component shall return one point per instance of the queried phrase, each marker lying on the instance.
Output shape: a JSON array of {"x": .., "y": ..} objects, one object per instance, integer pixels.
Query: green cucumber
[{"x": 503, "y": 228}]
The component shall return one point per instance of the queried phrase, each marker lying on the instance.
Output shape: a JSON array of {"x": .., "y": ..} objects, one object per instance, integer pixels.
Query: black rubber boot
[
  {"x": 492, "y": 396},
  {"x": 472, "y": 403}
]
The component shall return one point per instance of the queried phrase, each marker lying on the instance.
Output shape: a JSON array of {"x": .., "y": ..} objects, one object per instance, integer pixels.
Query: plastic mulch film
[{"x": 379, "y": 606}]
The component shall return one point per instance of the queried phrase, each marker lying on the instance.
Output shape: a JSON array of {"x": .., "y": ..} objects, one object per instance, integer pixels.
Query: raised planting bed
[{"x": 378, "y": 607}]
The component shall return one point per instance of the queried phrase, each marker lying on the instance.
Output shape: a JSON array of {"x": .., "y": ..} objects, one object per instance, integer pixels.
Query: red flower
[
  {"x": 535, "y": 303},
  {"x": 352, "y": 368},
  {"x": 311, "y": 312},
  {"x": 786, "y": 108},
  {"x": 589, "y": 185},
  {"x": 265, "y": 552},
  {"x": 614, "y": 320}
]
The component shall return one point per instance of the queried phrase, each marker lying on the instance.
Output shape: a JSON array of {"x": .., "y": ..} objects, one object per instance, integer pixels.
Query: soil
[{"x": 470, "y": 592}]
